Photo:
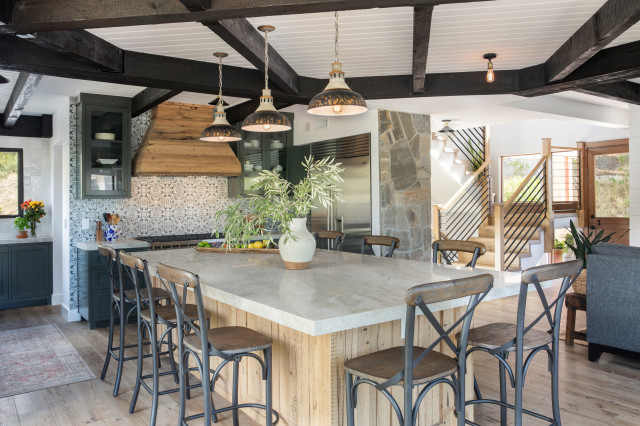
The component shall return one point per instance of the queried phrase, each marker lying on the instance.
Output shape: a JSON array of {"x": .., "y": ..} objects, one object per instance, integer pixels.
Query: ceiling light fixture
[
  {"x": 337, "y": 98},
  {"x": 446, "y": 129},
  {"x": 3, "y": 79},
  {"x": 220, "y": 130},
  {"x": 266, "y": 118},
  {"x": 490, "y": 74}
]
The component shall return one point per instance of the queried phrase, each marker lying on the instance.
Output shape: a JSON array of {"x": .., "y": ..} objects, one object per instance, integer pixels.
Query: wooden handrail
[
  {"x": 466, "y": 185},
  {"x": 525, "y": 182}
]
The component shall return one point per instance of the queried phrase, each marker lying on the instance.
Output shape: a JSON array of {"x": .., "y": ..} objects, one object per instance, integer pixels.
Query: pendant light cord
[
  {"x": 266, "y": 60},
  {"x": 336, "y": 46},
  {"x": 220, "y": 83}
]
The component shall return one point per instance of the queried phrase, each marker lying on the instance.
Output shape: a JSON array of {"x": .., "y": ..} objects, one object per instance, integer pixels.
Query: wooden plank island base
[{"x": 317, "y": 324}]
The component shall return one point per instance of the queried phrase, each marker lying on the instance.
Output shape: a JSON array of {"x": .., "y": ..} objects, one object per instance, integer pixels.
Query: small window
[
  {"x": 11, "y": 195},
  {"x": 514, "y": 171}
]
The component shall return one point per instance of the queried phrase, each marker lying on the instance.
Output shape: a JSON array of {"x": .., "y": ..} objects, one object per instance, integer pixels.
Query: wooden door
[{"x": 608, "y": 189}]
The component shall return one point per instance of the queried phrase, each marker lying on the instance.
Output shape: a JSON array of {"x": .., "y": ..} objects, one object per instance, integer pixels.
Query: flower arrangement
[{"x": 33, "y": 212}]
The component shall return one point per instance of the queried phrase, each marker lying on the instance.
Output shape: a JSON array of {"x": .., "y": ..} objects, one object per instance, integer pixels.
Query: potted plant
[
  {"x": 582, "y": 247},
  {"x": 284, "y": 207},
  {"x": 567, "y": 253},
  {"x": 21, "y": 223},
  {"x": 558, "y": 246},
  {"x": 33, "y": 212}
]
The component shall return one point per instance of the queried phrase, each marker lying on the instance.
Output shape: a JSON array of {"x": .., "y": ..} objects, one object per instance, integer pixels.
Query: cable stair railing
[{"x": 466, "y": 211}]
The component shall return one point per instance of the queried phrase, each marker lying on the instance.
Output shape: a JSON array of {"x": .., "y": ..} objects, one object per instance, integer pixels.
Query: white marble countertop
[
  {"x": 117, "y": 244},
  {"x": 6, "y": 239},
  {"x": 339, "y": 291}
]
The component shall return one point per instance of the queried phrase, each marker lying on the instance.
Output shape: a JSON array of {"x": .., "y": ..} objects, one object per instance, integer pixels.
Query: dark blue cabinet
[
  {"x": 26, "y": 275},
  {"x": 94, "y": 294}
]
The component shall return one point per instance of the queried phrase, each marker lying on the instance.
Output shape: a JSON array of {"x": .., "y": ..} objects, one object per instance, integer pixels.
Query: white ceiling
[{"x": 372, "y": 42}]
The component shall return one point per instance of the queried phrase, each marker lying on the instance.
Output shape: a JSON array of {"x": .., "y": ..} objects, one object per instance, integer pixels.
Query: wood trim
[
  {"x": 607, "y": 143},
  {"x": 549, "y": 222},
  {"x": 583, "y": 213}
]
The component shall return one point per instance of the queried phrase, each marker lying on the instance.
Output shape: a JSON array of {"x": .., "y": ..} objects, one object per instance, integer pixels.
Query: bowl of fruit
[{"x": 257, "y": 246}]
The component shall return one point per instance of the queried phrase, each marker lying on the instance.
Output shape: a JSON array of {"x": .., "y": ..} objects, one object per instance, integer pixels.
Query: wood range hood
[{"x": 172, "y": 146}]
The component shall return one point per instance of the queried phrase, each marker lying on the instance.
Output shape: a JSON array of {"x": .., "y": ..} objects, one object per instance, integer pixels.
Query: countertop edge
[{"x": 30, "y": 240}]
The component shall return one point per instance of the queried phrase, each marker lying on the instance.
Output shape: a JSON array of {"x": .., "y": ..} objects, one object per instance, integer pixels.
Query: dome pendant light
[
  {"x": 220, "y": 130},
  {"x": 337, "y": 98},
  {"x": 490, "y": 74},
  {"x": 266, "y": 118},
  {"x": 446, "y": 128}
]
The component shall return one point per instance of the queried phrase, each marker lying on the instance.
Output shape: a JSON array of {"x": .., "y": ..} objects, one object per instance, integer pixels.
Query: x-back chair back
[
  {"x": 110, "y": 258},
  {"x": 446, "y": 248},
  {"x": 379, "y": 240},
  {"x": 336, "y": 237},
  {"x": 525, "y": 338},
  {"x": 419, "y": 297}
]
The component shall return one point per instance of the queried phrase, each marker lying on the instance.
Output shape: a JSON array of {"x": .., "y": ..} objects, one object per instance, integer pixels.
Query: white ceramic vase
[{"x": 298, "y": 249}]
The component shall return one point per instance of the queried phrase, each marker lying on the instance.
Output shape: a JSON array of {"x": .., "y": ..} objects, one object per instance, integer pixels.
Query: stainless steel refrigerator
[{"x": 353, "y": 216}]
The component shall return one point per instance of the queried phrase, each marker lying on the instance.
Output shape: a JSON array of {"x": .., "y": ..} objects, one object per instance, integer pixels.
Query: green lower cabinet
[
  {"x": 94, "y": 292},
  {"x": 26, "y": 275}
]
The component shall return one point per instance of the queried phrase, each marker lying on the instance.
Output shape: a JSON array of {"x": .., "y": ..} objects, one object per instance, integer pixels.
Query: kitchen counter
[
  {"x": 343, "y": 306},
  {"x": 12, "y": 239},
  {"x": 122, "y": 244},
  {"x": 340, "y": 291}
]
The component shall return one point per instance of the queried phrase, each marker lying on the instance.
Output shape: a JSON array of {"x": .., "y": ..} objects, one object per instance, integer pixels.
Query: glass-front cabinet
[
  {"x": 104, "y": 146},
  {"x": 257, "y": 152}
]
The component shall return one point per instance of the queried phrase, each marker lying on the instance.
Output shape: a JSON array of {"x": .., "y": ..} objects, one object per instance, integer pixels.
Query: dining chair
[
  {"x": 502, "y": 339},
  {"x": 124, "y": 303},
  {"x": 149, "y": 318},
  {"x": 411, "y": 366},
  {"x": 230, "y": 344},
  {"x": 379, "y": 240},
  {"x": 334, "y": 239},
  {"x": 448, "y": 249}
]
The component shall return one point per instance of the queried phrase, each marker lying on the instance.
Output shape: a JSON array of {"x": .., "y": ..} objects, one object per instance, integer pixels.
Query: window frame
[{"x": 20, "y": 153}]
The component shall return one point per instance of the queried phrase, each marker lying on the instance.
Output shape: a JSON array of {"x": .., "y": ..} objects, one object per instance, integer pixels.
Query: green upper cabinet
[
  {"x": 257, "y": 152},
  {"x": 104, "y": 146}
]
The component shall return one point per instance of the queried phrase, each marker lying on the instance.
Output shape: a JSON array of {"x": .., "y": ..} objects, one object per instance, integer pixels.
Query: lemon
[
  {"x": 257, "y": 245},
  {"x": 250, "y": 246}
]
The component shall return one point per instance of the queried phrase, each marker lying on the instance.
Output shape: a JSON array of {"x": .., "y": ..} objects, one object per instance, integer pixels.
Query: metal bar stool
[
  {"x": 148, "y": 320},
  {"x": 231, "y": 344},
  {"x": 379, "y": 240},
  {"x": 500, "y": 339},
  {"x": 119, "y": 300},
  {"x": 336, "y": 236},
  {"x": 447, "y": 247},
  {"x": 410, "y": 366}
]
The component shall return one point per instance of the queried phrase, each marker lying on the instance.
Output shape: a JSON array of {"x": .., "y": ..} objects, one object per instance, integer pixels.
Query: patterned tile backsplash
[{"x": 158, "y": 205}]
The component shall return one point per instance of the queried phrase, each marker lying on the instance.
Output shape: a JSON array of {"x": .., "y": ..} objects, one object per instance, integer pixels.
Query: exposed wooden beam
[
  {"x": 82, "y": 45},
  {"x": 249, "y": 42},
  {"x": 421, "y": 29},
  {"x": 22, "y": 91},
  {"x": 53, "y": 15},
  {"x": 610, "y": 65},
  {"x": 241, "y": 111},
  {"x": 611, "y": 20},
  {"x": 623, "y": 91},
  {"x": 196, "y": 5},
  {"x": 30, "y": 126},
  {"x": 150, "y": 97}
]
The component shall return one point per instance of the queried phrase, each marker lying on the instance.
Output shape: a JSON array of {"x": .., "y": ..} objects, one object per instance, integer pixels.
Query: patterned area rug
[{"x": 35, "y": 358}]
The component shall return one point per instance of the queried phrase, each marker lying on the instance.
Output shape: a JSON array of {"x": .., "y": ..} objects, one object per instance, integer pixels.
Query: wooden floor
[{"x": 591, "y": 394}]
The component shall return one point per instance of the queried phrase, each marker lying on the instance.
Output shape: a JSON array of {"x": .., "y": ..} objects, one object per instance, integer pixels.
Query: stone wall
[{"x": 405, "y": 182}]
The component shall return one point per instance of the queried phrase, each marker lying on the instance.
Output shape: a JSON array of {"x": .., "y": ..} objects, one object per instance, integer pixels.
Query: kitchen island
[{"x": 343, "y": 306}]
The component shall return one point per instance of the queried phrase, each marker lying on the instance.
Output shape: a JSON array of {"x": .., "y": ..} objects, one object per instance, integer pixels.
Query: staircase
[
  {"x": 486, "y": 235},
  {"x": 451, "y": 159}
]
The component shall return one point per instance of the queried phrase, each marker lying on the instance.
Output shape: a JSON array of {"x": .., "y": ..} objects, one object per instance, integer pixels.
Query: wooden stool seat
[
  {"x": 158, "y": 294},
  {"x": 494, "y": 335},
  {"x": 574, "y": 302},
  {"x": 168, "y": 313},
  {"x": 230, "y": 340},
  {"x": 382, "y": 365}
]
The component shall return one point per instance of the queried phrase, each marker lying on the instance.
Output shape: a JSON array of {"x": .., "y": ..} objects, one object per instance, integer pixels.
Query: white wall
[
  {"x": 525, "y": 137},
  {"x": 37, "y": 178},
  {"x": 634, "y": 174},
  {"x": 338, "y": 127}
]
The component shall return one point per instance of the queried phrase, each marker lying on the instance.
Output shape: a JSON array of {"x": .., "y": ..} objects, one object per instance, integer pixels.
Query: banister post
[
  {"x": 582, "y": 212},
  {"x": 498, "y": 217},
  {"x": 435, "y": 231},
  {"x": 549, "y": 229}
]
